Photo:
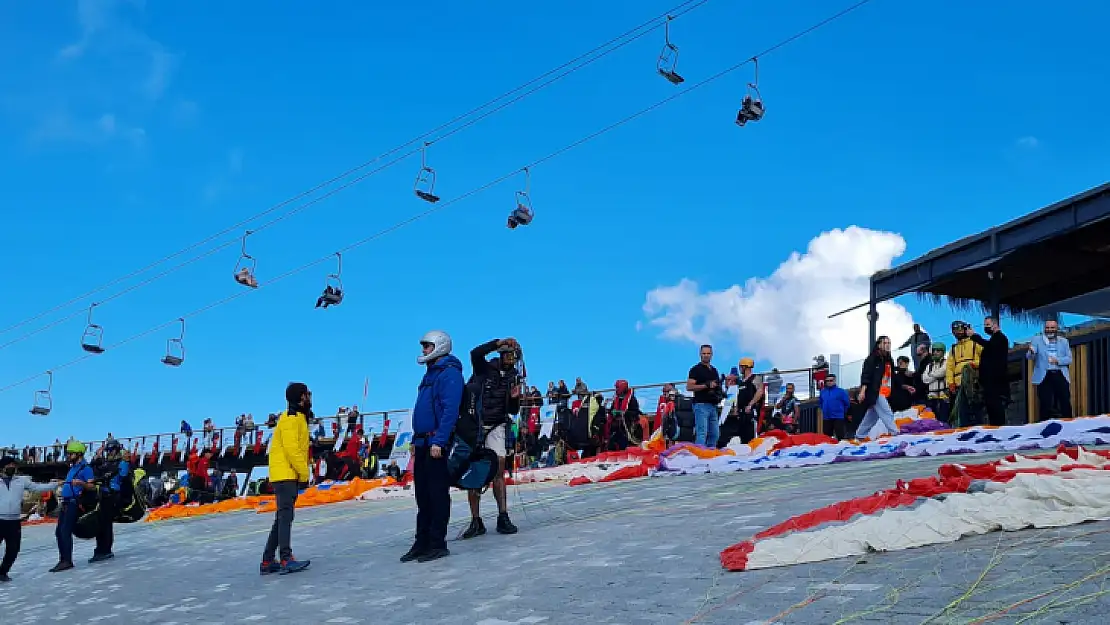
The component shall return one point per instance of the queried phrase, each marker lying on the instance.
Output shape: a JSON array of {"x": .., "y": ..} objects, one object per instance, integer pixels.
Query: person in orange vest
[{"x": 874, "y": 391}]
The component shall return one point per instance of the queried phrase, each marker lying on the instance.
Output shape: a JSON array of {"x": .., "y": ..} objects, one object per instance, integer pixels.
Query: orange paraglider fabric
[{"x": 315, "y": 496}]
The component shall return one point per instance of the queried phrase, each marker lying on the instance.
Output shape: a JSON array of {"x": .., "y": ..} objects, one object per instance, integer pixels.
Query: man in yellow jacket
[
  {"x": 962, "y": 375},
  {"x": 288, "y": 470}
]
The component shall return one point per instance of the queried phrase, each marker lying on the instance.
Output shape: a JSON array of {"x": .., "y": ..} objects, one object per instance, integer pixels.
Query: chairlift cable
[
  {"x": 529, "y": 88},
  {"x": 472, "y": 192}
]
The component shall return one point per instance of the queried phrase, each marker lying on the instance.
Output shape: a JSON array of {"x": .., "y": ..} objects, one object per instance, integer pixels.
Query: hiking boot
[
  {"x": 100, "y": 557},
  {"x": 4, "y": 578},
  {"x": 477, "y": 528},
  {"x": 434, "y": 554},
  {"x": 268, "y": 567},
  {"x": 61, "y": 566},
  {"x": 413, "y": 553},
  {"x": 292, "y": 565},
  {"x": 504, "y": 525}
]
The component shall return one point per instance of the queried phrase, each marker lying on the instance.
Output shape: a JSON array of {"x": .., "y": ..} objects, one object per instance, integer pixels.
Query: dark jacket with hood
[
  {"x": 496, "y": 386},
  {"x": 872, "y": 376},
  {"x": 437, "y": 403}
]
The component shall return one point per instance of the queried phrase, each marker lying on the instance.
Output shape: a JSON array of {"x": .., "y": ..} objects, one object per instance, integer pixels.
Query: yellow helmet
[
  {"x": 747, "y": 362},
  {"x": 75, "y": 447}
]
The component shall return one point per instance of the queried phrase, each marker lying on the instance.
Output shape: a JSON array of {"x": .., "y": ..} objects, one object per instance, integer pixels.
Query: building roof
[{"x": 1056, "y": 254}]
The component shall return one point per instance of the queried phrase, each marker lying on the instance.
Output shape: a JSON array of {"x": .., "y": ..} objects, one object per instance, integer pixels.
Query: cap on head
[
  {"x": 6, "y": 461},
  {"x": 747, "y": 362}
]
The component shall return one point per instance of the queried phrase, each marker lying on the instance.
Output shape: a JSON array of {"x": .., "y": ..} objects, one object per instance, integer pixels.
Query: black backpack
[{"x": 470, "y": 464}]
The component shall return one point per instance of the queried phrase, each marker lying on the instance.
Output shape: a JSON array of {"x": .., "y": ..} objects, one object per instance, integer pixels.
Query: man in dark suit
[{"x": 992, "y": 370}]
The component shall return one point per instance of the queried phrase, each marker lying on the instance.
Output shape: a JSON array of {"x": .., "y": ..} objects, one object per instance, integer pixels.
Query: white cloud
[
  {"x": 104, "y": 28},
  {"x": 783, "y": 318},
  {"x": 1028, "y": 142}
]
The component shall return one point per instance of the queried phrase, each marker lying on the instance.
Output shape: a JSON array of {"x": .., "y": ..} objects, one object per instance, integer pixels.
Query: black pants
[
  {"x": 285, "y": 492},
  {"x": 433, "y": 499},
  {"x": 1054, "y": 395},
  {"x": 836, "y": 428},
  {"x": 67, "y": 522},
  {"x": 10, "y": 535},
  {"x": 105, "y": 536},
  {"x": 995, "y": 399}
]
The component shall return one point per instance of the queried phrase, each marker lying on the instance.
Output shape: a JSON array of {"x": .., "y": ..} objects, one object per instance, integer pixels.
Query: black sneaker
[
  {"x": 413, "y": 554},
  {"x": 504, "y": 525},
  {"x": 4, "y": 579},
  {"x": 433, "y": 554},
  {"x": 61, "y": 566},
  {"x": 477, "y": 528},
  {"x": 100, "y": 557}
]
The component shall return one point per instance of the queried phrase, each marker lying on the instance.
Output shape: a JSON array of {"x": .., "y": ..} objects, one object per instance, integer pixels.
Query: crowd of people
[{"x": 468, "y": 434}]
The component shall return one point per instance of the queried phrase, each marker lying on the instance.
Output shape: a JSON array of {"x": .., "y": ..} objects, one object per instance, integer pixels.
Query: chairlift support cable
[
  {"x": 528, "y": 88},
  {"x": 484, "y": 187}
]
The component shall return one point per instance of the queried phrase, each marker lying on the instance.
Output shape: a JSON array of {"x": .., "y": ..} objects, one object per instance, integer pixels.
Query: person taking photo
[{"x": 500, "y": 399}]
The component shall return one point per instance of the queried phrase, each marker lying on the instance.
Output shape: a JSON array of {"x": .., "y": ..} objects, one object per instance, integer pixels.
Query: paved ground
[{"x": 643, "y": 551}]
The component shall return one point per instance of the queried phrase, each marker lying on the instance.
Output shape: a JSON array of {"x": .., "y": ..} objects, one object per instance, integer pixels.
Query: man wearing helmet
[
  {"x": 12, "y": 487},
  {"x": 114, "y": 475},
  {"x": 79, "y": 477},
  {"x": 500, "y": 399},
  {"x": 433, "y": 422},
  {"x": 749, "y": 400},
  {"x": 962, "y": 376}
]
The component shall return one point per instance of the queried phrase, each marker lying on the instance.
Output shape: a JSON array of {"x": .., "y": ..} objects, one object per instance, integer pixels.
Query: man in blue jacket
[
  {"x": 433, "y": 421},
  {"x": 834, "y": 404},
  {"x": 79, "y": 477}
]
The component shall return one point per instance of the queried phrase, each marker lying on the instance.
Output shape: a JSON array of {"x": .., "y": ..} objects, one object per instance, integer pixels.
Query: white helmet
[{"x": 441, "y": 345}]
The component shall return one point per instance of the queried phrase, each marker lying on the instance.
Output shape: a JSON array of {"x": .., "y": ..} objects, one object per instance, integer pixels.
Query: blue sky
[{"x": 132, "y": 130}]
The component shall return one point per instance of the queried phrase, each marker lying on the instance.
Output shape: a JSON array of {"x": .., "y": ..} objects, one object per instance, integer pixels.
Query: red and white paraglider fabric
[{"x": 1070, "y": 487}]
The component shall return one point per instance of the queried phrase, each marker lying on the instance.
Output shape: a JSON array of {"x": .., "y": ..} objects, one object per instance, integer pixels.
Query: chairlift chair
[
  {"x": 43, "y": 402},
  {"x": 245, "y": 267},
  {"x": 667, "y": 65},
  {"x": 175, "y": 348},
  {"x": 751, "y": 108},
  {"x": 333, "y": 287},
  {"x": 523, "y": 213},
  {"x": 92, "y": 340},
  {"x": 425, "y": 184}
]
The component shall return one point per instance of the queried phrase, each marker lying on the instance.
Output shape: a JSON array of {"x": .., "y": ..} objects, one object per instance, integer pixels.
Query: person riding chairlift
[
  {"x": 331, "y": 297},
  {"x": 520, "y": 216},
  {"x": 246, "y": 278}
]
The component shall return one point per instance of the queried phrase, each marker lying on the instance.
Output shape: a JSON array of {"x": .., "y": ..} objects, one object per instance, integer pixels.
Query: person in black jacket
[
  {"x": 902, "y": 389},
  {"x": 875, "y": 386},
  {"x": 501, "y": 390},
  {"x": 993, "y": 363}
]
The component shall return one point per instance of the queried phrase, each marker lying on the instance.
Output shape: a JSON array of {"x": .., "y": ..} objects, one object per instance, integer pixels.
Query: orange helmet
[{"x": 747, "y": 362}]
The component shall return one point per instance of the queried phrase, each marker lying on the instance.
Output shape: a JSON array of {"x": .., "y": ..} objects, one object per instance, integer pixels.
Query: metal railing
[{"x": 238, "y": 438}]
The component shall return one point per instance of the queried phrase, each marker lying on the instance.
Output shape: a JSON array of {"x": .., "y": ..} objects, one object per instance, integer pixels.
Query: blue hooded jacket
[{"x": 437, "y": 404}]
